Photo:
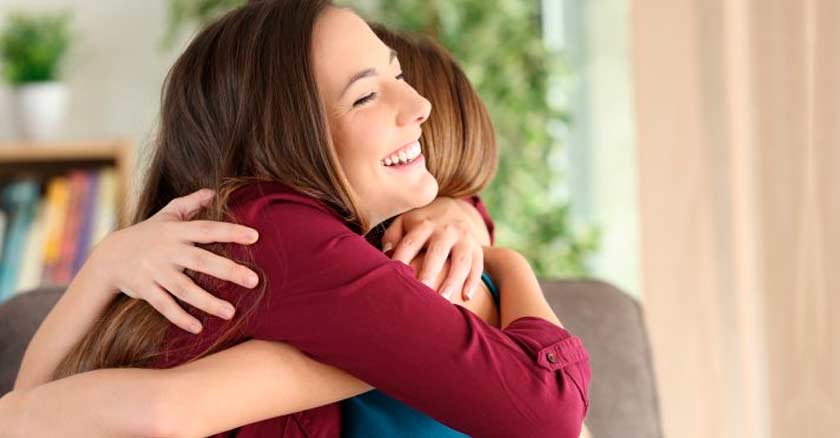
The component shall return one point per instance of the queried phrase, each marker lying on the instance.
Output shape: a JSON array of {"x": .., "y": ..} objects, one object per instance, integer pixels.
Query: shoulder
[
  {"x": 293, "y": 226},
  {"x": 249, "y": 201},
  {"x": 261, "y": 201}
]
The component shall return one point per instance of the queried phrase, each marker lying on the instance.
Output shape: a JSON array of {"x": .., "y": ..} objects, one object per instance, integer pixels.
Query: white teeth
[
  {"x": 413, "y": 152},
  {"x": 404, "y": 156}
]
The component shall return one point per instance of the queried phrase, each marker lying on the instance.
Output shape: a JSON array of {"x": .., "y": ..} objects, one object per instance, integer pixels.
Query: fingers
[
  {"x": 474, "y": 277},
  {"x": 393, "y": 234},
  {"x": 413, "y": 241},
  {"x": 439, "y": 247},
  {"x": 201, "y": 260},
  {"x": 467, "y": 264},
  {"x": 183, "y": 287},
  {"x": 184, "y": 207},
  {"x": 211, "y": 232},
  {"x": 166, "y": 306}
]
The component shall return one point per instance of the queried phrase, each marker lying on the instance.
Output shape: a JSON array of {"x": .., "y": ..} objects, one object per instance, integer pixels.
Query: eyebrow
[{"x": 366, "y": 73}]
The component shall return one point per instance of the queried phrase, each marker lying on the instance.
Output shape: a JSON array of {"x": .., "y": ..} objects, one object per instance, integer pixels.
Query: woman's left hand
[
  {"x": 446, "y": 226},
  {"x": 146, "y": 261}
]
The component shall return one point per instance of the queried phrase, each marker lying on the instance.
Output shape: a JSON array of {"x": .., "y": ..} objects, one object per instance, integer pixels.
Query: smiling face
[{"x": 374, "y": 116}]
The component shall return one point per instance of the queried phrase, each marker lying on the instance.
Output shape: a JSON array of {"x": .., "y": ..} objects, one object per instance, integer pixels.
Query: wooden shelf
[{"x": 63, "y": 151}]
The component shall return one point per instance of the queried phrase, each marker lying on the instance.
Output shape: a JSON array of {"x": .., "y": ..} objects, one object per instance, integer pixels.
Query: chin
[
  {"x": 416, "y": 196},
  {"x": 426, "y": 192}
]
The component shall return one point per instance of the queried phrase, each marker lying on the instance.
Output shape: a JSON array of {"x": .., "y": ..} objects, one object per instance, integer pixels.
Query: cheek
[
  {"x": 355, "y": 156},
  {"x": 356, "y": 136},
  {"x": 360, "y": 142}
]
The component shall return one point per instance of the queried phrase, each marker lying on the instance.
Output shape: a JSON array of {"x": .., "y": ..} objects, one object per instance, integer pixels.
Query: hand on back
[{"x": 147, "y": 260}]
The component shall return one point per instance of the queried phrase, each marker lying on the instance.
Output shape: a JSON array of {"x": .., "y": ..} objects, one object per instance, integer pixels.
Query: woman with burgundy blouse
[{"x": 313, "y": 167}]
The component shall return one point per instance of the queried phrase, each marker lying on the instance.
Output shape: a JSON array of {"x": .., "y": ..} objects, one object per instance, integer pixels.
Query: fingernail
[
  {"x": 447, "y": 292},
  {"x": 253, "y": 236},
  {"x": 195, "y": 327},
  {"x": 427, "y": 282},
  {"x": 387, "y": 247},
  {"x": 252, "y": 280},
  {"x": 227, "y": 311},
  {"x": 470, "y": 293}
]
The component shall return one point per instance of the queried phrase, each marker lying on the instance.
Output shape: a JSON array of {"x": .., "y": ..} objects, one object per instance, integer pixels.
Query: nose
[{"x": 416, "y": 108}]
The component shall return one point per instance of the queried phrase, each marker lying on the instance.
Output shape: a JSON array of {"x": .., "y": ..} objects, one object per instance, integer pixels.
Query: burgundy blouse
[{"x": 338, "y": 299}]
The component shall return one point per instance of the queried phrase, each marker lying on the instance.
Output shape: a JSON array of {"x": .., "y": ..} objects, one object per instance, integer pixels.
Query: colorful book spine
[
  {"x": 70, "y": 235},
  {"x": 58, "y": 193},
  {"x": 3, "y": 223},
  {"x": 105, "y": 218},
  {"x": 33, "y": 256},
  {"x": 87, "y": 220},
  {"x": 19, "y": 199}
]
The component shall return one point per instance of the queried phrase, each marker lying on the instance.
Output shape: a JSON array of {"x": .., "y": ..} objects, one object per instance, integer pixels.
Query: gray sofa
[{"x": 624, "y": 401}]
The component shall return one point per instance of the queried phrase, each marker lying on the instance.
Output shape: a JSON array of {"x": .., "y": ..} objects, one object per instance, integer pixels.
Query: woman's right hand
[
  {"x": 147, "y": 260},
  {"x": 481, "y": 303}
]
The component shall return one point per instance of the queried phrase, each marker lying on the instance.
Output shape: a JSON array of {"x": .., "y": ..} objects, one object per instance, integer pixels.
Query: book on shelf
[
  {"x": 2, "y": 229},
  {"x": 19, "y": 199},
  {"x": 57, "y": 199},
  {"x": 32, "y": 266},
  {"x": 46, "y": 238},
  {"x": 105, "y": 211}
]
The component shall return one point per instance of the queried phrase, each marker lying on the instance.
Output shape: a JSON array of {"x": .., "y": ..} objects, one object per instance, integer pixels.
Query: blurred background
[{"x": 685, "y": 151}]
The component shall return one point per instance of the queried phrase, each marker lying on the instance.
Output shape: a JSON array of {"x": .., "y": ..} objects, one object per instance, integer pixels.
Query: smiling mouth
[{"x": 406, "y": 155}]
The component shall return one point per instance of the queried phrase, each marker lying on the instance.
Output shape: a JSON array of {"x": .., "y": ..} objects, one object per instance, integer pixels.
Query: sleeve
[
  {"x": 476, "y": 202},
  {"x": 336, "y": 298}
]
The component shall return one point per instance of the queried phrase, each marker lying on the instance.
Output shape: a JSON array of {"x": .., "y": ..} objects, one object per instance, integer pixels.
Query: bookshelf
[
  {"x": 58, "y": 198},
  {"x": 48, "y": 159}
]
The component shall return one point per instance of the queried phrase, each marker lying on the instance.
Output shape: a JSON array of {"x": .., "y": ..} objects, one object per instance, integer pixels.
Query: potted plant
[{"x": 31, "y": 49}]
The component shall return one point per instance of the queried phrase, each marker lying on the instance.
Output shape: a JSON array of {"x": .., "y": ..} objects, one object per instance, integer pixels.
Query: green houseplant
[
  {"x": 499, "y": 45},
  {"x": 32, "y": 47}
]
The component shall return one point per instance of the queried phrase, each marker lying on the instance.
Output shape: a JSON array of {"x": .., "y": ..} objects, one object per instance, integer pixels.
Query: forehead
[{"x": 342, "y": 45}]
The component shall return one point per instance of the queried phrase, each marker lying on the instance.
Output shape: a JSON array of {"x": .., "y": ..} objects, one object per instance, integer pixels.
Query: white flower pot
[{"x": 41, "y": 110}]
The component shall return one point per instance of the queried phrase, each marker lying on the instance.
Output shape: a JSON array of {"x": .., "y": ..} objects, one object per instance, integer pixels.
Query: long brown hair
[
  {"x": 223, "y": 107},
  {"x": 458, "y": 139},
  {"x": 239, "y": 104}
]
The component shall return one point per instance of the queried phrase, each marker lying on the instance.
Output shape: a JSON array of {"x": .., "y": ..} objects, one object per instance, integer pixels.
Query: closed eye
[{"x": 364, "y": 100}]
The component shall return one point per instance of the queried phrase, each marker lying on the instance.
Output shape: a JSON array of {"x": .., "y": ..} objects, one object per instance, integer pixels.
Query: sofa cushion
[
  {"x": 623, "y": 397},
  {"x": 19, "y": 318}
]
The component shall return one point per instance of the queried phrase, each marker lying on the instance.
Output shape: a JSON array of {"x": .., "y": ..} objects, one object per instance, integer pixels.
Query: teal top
[{"x": 376, "y": 414}]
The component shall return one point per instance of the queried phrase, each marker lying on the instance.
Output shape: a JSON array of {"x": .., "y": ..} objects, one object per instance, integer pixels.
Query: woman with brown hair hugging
[{"x": 309, "y": 136}]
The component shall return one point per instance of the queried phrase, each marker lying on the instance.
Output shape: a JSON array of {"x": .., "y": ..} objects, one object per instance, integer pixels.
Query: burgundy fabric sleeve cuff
[
  {"x": 551, "y": 346},
  {"x": 554, "y": 349}
]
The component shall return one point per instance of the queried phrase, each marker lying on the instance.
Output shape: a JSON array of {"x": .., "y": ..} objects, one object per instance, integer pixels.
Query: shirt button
[{"x": 552, "y": 358}]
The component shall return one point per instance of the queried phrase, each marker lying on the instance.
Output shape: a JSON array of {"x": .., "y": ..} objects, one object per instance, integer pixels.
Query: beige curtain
[{"x": 738, "y": 112}]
